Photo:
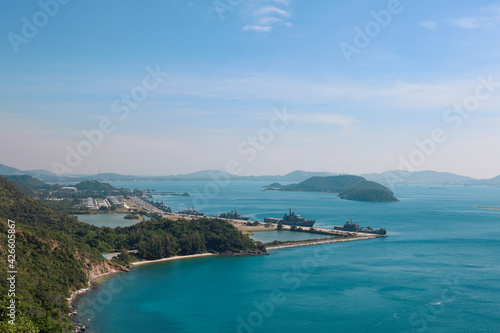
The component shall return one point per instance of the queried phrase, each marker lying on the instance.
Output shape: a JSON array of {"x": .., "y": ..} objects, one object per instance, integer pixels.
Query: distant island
[{"x": 348, "y": 187}]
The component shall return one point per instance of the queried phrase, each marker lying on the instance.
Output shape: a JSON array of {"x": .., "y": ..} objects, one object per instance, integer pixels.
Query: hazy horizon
[
  {"x": 261, "y": 87},
  {"x": 397, "y": 173}
]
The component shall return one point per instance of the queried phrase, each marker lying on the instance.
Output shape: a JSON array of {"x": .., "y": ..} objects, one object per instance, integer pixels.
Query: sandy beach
[{"x": 171, "y": 258}]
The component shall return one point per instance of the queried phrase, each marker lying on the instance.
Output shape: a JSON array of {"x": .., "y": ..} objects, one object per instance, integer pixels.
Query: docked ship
[
  {"x": 233, "y": 216},
  {"x": 185, "y": 194},
  {"x": 190, "y": 211},
  {"x": 291, "y": 219},
  {"x": 354, "y": 227},
  {"x": 159, "y": 204}
]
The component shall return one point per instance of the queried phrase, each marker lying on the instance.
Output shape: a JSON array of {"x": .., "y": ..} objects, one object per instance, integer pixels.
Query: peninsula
[{"x": 57, "y": 254}]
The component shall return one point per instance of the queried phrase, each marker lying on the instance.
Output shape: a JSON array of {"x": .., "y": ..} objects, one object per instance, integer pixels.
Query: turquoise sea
[{"x": 438, "y": 271}]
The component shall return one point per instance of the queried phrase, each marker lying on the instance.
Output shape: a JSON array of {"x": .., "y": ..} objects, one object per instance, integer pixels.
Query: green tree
[{"x": 125, "y": 256}]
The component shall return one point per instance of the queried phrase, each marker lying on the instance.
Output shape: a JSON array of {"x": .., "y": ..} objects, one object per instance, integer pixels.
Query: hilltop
[
  {"x": 94, "y": 185},
  {"x": 348, "y": 187}
]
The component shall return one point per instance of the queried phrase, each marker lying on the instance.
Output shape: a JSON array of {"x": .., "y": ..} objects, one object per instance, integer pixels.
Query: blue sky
[{"x": 227, "y": 77}]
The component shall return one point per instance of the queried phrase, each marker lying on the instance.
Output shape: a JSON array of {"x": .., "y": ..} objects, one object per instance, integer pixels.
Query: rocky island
[{"x": 348, "y": 187}]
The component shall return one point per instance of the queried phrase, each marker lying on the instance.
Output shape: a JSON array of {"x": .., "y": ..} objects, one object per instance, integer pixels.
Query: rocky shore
[{"x": 95, "y": 272}]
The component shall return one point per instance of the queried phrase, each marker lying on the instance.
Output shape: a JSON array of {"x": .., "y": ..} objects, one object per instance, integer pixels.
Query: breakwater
[{"x": 317, "y": 242}]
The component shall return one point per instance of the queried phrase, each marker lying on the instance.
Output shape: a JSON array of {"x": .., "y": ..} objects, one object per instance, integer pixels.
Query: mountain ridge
[{"x": 394, "y": 176}]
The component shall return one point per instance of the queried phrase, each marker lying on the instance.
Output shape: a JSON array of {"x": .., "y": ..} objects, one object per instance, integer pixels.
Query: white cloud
[
  {"x": 470, "y": 22},
  {"x": 267, "y": 14},
  {"x": 259, "y": 28},
  {"x": 489, "y": 20},
  {"x": 269, "y": 10},
  {"x": 270, "y": 20},
  {"x": 429, "y": 25}
]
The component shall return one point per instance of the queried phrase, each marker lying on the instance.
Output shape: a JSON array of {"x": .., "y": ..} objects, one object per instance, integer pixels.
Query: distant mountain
[
  {"x": 418, "y": 177},
  {"x": 396, "y": 176},
  {"x": 202, "y": 175},
  {"x": 40, "y": 174},
  {"x": 299, "y": 175},
  {"x": 207, "y": 175},
  {"x": 44, "y": 175},
  {"x": 348, "y": 187},
  {"x": 111, "y": 177},
  {"x": 8, "y": 171},
  {"x": 492, "y": 182}
]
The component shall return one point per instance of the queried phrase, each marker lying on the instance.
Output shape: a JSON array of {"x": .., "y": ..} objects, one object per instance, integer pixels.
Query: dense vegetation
[
  {"x": 55, "y": 252},
  {"x": 50, "y": 263},
  {"x": 33, "y": 187},
  {"x": 325, "y": 184},
  {"x": 348, "y": 187},
  {"x": 93, "y": 185},
  {"x": 368, "y": 194}
]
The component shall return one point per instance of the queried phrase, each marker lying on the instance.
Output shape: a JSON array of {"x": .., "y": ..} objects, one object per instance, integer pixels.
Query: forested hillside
[{"x": 55, "y": 253}]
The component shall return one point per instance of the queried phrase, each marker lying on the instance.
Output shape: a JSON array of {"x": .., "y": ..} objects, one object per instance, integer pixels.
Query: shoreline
[
  {"x": 73, "y": 299},
  {"x": 74, "y": 295},
  {"x": 171, "y": 258},
  {"x": 79, "y": 292},
  {"x": 498, "y": 208}
]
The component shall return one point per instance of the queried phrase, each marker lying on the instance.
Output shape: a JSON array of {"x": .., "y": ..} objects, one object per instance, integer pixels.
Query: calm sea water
[
  {"x": 284, "y": 235},
  {"x": 106, "y": 220},
  {"x": 438, "y": 271}
]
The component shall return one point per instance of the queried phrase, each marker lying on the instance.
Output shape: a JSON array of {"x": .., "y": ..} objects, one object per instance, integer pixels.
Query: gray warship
[
  {"x": 354, "y": 227},
  {"x": 190, "y": 211},
  {"x": 292, "y": 219},
  {"x": 233, "y": 216}
]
